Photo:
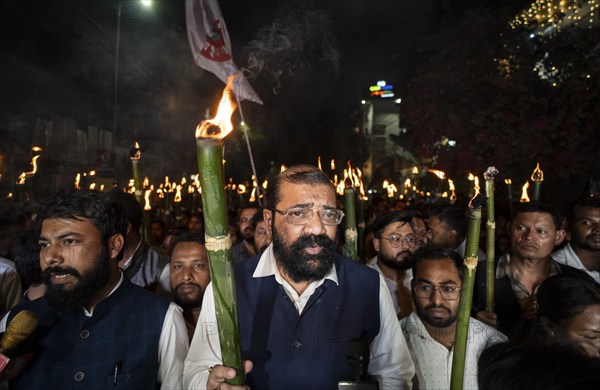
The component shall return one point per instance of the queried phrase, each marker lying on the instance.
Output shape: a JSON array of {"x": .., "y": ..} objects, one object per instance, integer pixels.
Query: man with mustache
[
  {"x": 189, "y": 274},
  {"x": 583, "y": 249},
  {"x": 245, "y": 248},
  {"x": 301, "y": 302},
  {"x": 97, "y": 329},
  {"x": 395, "y": 242},
  {"x": 430, "y": 331},
  {"x": 535, "y": 230}
]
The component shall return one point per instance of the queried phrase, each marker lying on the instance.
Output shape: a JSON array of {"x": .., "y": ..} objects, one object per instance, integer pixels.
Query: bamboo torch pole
[
  {"x": 490, "y": 235},
  {"x": 466, "y": 293},
  {"x": 209, "y": 146}
]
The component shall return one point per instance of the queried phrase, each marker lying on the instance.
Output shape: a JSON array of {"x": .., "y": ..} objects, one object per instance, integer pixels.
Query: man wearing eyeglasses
[
  {"x": 301, "y": 302},
  {"x": 395, "y": 242},
  {"x": 430, "y": 331}
]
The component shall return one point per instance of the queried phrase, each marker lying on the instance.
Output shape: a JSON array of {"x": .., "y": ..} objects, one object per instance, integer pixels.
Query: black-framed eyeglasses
[
  {"x": 449, "y": 293},
  {"x": 396, "y": 240},
  {"x": 303, "y": 215}
]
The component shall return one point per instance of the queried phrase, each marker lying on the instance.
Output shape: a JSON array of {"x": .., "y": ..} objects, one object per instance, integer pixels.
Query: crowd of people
[{"x": 117, "y": 310}]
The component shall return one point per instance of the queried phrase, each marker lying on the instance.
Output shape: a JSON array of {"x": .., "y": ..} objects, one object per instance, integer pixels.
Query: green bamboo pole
[
  {"x": 350, "y": 233},
  {"x": 537, "y": 177},
  {"x": 135, "y": 155},
  {"x": 466, "y": 292},
  {"x": 218, "y": 246},
  {"x": 490, "y": 234},
  {"x": 510, "y": 197}
]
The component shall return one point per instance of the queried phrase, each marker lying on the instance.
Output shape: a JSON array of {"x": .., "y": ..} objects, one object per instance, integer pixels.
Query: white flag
[{"x": 211, "y": 46}]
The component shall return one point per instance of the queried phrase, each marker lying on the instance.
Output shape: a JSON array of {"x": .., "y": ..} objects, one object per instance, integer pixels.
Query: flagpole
[{"x": 245, "y": 131}]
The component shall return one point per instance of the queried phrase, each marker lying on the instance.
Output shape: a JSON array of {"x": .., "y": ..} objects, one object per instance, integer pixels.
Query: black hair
[
  {"x": 160, "y": 222},
  {"x": 452, "y": 216},
  {"x": 26, "y": 255},
  {"x": 133, "y": 209},
  {"x": 190, "y": 237},
  {"x": 299, "y": 174},
  {"x": 562, "y": 297},
  {"x": 258, "y": 217},
  {"x": 385, "y": 219},
  {"x": 433, "y": 252},
  {"x": 107, "y": 215},
  {"x": 540, "y": 207}
]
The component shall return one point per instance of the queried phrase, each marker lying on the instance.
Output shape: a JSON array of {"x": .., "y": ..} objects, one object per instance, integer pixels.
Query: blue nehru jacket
[
  {"x": 80, "y": 352},
  {"x": 306, "y": 351}
]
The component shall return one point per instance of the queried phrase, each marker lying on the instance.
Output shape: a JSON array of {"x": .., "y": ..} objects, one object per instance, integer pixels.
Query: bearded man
[
  {"x": 301, "y": 302},
  {"x": 97, "y": 329},
  {"x": 395, "y": 242}
]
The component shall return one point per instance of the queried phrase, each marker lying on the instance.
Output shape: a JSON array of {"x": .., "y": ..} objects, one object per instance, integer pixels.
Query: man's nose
[
  {"x": 51, "y": 255},
  {"x": 315, "y": 225}
]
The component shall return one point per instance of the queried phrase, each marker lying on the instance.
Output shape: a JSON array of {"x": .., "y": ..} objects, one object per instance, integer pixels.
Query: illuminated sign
[{"x": 382, "y": 89}]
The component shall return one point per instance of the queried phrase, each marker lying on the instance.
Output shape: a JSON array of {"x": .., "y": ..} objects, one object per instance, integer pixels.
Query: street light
[{"x": 146, "y": 4}]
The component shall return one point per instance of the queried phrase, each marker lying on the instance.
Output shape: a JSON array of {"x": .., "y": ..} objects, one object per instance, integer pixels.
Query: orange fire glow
[
  {"x": 219, "y": 126},
  {"x": 332, "y": 164},
  {"x": 524, "y": 196},
  {"x": 135, "y": 153},
  {"x": 147, "y": 200},
  {"x": 452, "y": 189},
  {"x": 476, "y": 187},
  {"x": 177, "y": 197},
  {"x": 537, "y": 174},
  {"x": 439, "y": 174},
  {"x": 319, "y": 163},
  {"x": 508, "y": 181}
]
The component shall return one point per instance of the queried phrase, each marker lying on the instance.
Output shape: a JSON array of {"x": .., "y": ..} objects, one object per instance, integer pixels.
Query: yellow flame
[
  {"x": 132, "y": 190},
  {"x": 183, "y": 181},
  {"x": 319, "y": 163},
  {"x": 101, "y": 187},
  {"x": 241, "y": 189},
  {"x": 22, "y": 177},
  {"x": 147, "y": 200},
  {"x": 77, "y": 180},
  {"x": 438, "y": 173},
  {"x": 34, "y": 165},
  {"x": 160, "y": 193},
  {"x": 146, "y": 182},
  {"x": 476, "y": 187},
  {"x": 339, "y": 189},
  {"x": 197, "y": 180},
  {"x": 265, "y": 184},
  {"x": 253, "y": 195},
  {"x": 10, "y": 195},
  {"x": 177, "y": 197},
  {"x": 92, "y": 173},
  {"x": 190, "y": 189},
  {"x": 524, "y": 196},
  {"x": 332, "y": 164},
  {"x": 282, "y": 169},
  {"x": 219, "y": 126},
  {"x": 407, "y": 183},
  {"x": 537, "y": 174},
  {"x": 135, "y": 153},
  {"x": 131, "y": 183},
  {"x": 452, "y": 189},
  {"x": 508, "y": 181},
  {"x": 36, "y": 149},
  {"x": 92, "y": 186},
  {"x": 415, "y": 170},
  {"x": 167, "y": 183}
]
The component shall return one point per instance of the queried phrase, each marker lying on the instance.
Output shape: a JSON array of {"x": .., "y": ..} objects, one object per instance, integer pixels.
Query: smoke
[{"x": 300, "y": 38}]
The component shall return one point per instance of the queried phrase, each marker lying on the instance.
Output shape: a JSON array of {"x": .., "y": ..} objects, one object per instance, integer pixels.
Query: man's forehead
[
  {"x": 434, "y": 268},
  {"x": 306, "y": 193},
  {"x": 538, "y": 216},
  {"x": 399, "y": 226},
  {"x": 583, "y": 211},
  {"x": 188, "y": 248}
]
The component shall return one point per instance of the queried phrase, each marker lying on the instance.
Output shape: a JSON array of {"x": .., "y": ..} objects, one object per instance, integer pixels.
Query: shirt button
[
  {"x": 79, "y": 376},
  {"x": 85, "y": 334},
  {"x": 296, "y": 344}
]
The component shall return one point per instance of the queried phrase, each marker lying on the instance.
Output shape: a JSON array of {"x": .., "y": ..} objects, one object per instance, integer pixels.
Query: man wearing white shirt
[
  {"x": 301, "y": 302},
  {"x": 430, "y": 331},
  {"x": 97, "y": 329},
  {"x": 583, "y": 249}
]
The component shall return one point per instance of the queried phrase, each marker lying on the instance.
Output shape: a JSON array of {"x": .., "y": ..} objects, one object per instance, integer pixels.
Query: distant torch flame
[
  {"x": 146, "y": 182},
  {"x": 147, "y": 200},
  {"x": 177, "y": 197},
  {"x": 415, "y": 170},
  {"x": 439, "y": 174},
  {"x": 241, "y": 189},
  {"x": 283, "y": 168},
  {"x": 332, "y": 164},
  {"x": 219, "y": 126},
  {"x": 319, "y": 163},
  {"x": 524, "y": 196},
  {"x": 135, "y": 153},
  {"x": 453, "y": 189},
  {"x": 508, "y": 181},
  {"x": 476, "y": 187},
  {"x": 34, "y": 165},
  {"x": 390, "y": 187},
  {"x": 361, "y": 193},
  {"x": 537, "y": 174},
  {"x": 348, "y": 175},
  {"x": 92, "y": 186},
  {"x": 77, "y": 180}
]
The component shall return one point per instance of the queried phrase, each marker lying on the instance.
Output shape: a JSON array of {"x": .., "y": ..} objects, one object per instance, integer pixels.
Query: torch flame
[
  {"x": 283, "y": 168},
  {"x": 36, "y": 149},
  {"x": 440, "y": 174},
  {"x": 524, "y": 196},
  {"x": 348, "y": 175},
  {"x": 241, "y": 189},
  {"x": 265, "y": 184},
  {"x": 390, "y": 187},
  {"x": 92, "y": 186},
  {"x": 219, "y": 126},
  {"x": 537, "y": 174},
  {"x": 22, "y": 177},
  {"x": 476, "y": 187},
  {"x": 92, "y": 173},
  {"x": 77, "y": 180},
  {"x": 508, "y": 181},
  {"x": 135, "y": 153},
  {"x": 34, "y": 165},
  {"x": 147, "y": 200},
  {"x": 146, "y": 182},
  {"x": 160, "y": 193},
  {"x": 252, "y": 195},
  {"x": 332, "y": 164},
  {"x": 319, "y": 163},
  {"x": 452, "y": 189},
  {"x": 415, "y": 170},
  {"x": 177, "y": 197}
]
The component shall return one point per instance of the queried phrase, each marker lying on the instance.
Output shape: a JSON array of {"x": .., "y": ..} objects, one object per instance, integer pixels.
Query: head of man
[
  {"x": 447, "y": 226},
  {"x": 534, "y": 231},
  {"x": 133, "y": 213},
  {"x": 436, "y": 284},
  {"x": 190, "y": 272},
  {"x": 157, "y": 231},
  {"x": 262, "y": 234},
  {"x": 303, "y": 219},
  {"x": 196, "y": 223},
  {"x": 394, "y": 240},
  {"x": 417, "y": 221},
  {"x": 584, "y": 227},
  {"x": 245, "y": 223},
  {"x": 81, "y": 239}
]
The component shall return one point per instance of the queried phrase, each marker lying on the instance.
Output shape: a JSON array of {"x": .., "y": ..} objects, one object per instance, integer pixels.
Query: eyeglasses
[
  {"x": 303, "y": 215},
  {"x": 449, "y": 293},
  {"x": 396, "y": 240}
]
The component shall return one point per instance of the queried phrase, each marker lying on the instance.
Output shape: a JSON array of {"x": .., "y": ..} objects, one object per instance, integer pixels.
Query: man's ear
[
  {"x": 560, "y": 236},
  {"x": 268, "y": 217},
  {"x": 376, "y": 244},
  {"x": 115, "y": 245}
]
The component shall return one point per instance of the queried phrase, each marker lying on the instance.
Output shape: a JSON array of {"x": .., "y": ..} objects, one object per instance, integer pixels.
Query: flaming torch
[
  {"x": 209, "y": 146},
  {"x": 524, "y": 196},
  {"x": 147, "y": 214},
  {"x": 466, "y": 292},
  {"x": 489, "y": 175},
  {"x": 537, "y": 177},
  {"x": 510, "y": 198},
  {"x": 351, "y": 233},
  {"x": 135, "y": 154},
  {"x": 362, "y": 200}
]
